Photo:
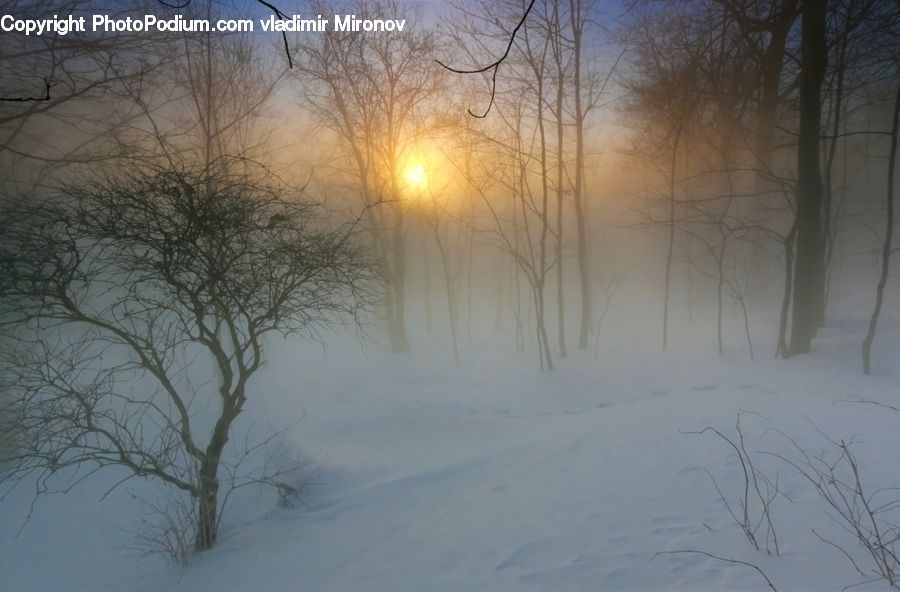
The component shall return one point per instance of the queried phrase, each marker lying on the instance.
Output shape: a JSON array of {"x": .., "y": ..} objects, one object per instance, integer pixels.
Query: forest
[{"x": 467, "y": 295}]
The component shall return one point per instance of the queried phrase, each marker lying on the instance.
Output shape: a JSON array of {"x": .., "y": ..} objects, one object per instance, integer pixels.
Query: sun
[{"x": 416, "y": 175}]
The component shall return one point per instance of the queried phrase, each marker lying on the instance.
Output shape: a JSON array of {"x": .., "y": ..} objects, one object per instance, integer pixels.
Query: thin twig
[
  {"x": 44, "y": 98},
  {"x": 841, "y": 549},
  {"x": 725, "y": 559}
]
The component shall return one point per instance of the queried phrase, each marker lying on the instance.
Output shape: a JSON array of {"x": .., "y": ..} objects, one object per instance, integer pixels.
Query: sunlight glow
[{"x": 416, "y": 175}]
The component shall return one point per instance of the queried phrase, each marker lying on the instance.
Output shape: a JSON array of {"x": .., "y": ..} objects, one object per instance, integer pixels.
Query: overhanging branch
[{"x": 494, "y": 66}]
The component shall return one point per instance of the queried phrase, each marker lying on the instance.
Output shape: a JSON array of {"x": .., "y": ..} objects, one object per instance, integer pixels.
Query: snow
[{"x": 495, "y": 477}]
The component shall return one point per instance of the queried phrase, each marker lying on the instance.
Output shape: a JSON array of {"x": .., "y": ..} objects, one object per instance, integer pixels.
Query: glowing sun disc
[{"x": 416, "y": 175}]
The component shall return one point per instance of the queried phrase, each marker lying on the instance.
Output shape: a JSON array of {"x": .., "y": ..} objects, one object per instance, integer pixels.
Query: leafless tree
[
  {"x": 220, "y": 89},
  {"x": 119, "y": 288},
  {"x": 517, "y": 211},
  {"x": 888, "y": 247},
  {"x": 77, "y": 77},
  {"x": 370, "y": 90},
  {"x": 666, "y": 89},
  {"x": 809, "y": 179}
]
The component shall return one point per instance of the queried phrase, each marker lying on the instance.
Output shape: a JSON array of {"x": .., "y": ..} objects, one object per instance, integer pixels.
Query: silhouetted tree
[
  {"x": 370, "y": 89},
  {"x": 113, "y": 287},
  {"x": 808, "y": 273}
]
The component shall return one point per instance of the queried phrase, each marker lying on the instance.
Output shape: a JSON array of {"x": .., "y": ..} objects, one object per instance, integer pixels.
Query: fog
[{"x": 524, "y": 294}]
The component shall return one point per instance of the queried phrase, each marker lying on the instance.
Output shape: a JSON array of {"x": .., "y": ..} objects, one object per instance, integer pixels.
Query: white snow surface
[{"x": 494, "y": 477}]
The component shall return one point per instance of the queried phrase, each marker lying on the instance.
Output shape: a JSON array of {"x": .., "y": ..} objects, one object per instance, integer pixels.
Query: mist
[{"x": 478, "y": 295}]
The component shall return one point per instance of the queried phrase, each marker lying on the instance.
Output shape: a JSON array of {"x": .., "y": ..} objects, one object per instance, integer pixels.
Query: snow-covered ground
[{"x": 493, "y": 477}]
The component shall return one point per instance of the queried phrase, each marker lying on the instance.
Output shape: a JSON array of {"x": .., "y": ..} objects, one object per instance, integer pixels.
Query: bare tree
[
  {"x": 586, "y": 93},
  {"x": 887, "y": 249},
  {"x": 807, "y": 273},
  {"x": 225, "y": 86},
  {"x": 553, "y": 21},
  {"x": 518, "y": 212},
  {"x": 117, "y": 288},
  {"x": 370, "y": 90},
  {"x": 76, "y": 77},
  {"x": 667, "y": 89}
]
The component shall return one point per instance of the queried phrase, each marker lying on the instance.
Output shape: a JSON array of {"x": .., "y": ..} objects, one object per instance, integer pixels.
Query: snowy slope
[{"x": 494, "y": 477}]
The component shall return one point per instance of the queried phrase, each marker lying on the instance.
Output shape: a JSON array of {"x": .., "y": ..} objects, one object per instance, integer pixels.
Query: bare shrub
[
  {"x": 750, "y": 507},
  {"x": 166, "y": 528},
  {"x": 870, "y": 516}
]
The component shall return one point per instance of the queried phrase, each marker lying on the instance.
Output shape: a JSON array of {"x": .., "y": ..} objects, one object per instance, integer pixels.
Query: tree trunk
[
  {"x": 720, "y": 262},
  {"x": 670, "y": 249},
  {"x": 560, "y": 164},
  {"x": 397, "y": 320},
  {"x": 743, "y": 304},
  {"x": 770, "y": 93},
  {"x": 829, "y": 231},
  {"x": 767, "y": 121},
  {"x": 8, "y": 428},
  {"x": 788, "y": 244},
  {"x": 545, "y": 226},
  {"x": 578, "y": 193},
  {"x": 546, "y": 360},
  {"x": 426, "y": 273},
  {"x": 207, "y": 500},
  {"x": 207, "y": 492},
  {"x": 451, "y": 301},
  {"x": 807, "y": 275},
  {"x": 888, "y": 242}
]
